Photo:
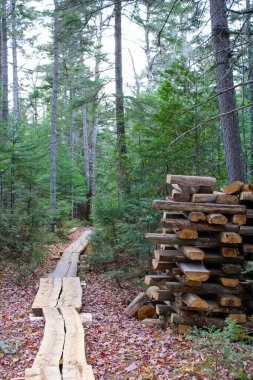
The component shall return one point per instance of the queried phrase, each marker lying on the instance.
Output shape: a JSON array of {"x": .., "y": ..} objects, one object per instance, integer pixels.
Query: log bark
[
  {"x": 246, "y": 196},
  {"x": 186, "y": 189},
  {"x": 227, "y": 199},
  {"x": 136, "y": 304},
  {"x": 204, "y": 198},
  {"x": 180, "y": 223},
  {"x": 226, "y": 98},
  {"x": 177, "y": 196},
  {"x": 202, "y": 207},
  {"x": 191, "y": 180},
  {"x": 158, "y": 280},
  {"x": 207, "y": 242},
  {"x": 197, "y": 320}
]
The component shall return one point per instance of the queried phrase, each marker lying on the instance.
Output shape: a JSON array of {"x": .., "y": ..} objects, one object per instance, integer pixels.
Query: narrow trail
[{"x": 117, "y": 347}]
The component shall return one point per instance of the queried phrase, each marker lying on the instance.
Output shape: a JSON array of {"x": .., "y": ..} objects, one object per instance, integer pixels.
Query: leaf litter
[{"x": 118, "y": 347}]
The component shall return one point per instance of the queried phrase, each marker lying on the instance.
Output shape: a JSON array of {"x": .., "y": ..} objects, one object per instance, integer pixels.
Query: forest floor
[{"x": 117, "y": 347}]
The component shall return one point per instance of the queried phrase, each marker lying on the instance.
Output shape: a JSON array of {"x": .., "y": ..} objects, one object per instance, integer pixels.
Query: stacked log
[{"x": 201, "y": 252}]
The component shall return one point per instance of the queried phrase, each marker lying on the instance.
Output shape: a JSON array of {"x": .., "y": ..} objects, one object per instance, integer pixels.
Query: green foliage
[{"x": 221, "y": 352}]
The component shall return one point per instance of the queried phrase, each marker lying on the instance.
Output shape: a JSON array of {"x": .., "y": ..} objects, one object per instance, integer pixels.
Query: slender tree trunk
[
  {"x": 72, "y": 155},
  {"x": 149, "y": 57},
  {"x": 227, "y": 102},
  {"x": 4, "y": 35},
  {"x": 86, "y": 152},
  {"x": 93, "y": 155},
  {"x": 53, "y": 200},
  {"x": 119, "y": 101},
  {"x": 16, "y": 111},
  {"x": 250, "y": 76}
]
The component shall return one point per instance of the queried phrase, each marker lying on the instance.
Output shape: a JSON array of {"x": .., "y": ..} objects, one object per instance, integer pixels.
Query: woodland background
[{"x": 72, "y": 148}]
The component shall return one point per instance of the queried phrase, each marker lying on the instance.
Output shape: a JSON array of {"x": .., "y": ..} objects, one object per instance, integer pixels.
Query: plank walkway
[{"x": 59, "y": 299}]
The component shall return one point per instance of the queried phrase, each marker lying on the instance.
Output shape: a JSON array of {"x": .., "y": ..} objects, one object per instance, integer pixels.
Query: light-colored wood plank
[
  {"x": 229, "y": 300},
  {"x": 181, "y": 223},
  {"x": 51, "y": 348},
  {"x": 71, "y": 295},
  {"x": 229, "y": 282},
  {"x": 74, "y": 361},
  {"x": 67, "y": 265},
  {"x": 229, "y": 252},
  {"x": 193, "y": 300},
  {"x": 47, "y": 295},
  {"x": 186, "y": 189},
  {"x": 186, "y": 234},
  {"x": 170, "y": 239},
  {"x": 193, "y": 253},
  {"x": 195, "y": 272},
  {"x": 227, "y": 199},
  {"x": 177, "y": 196},
  {"x": 157, "y": 280}
]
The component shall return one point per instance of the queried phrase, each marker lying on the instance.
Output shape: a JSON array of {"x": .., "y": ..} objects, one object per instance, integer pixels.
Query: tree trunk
[
  {"x": 4, "y": 40},
  {"x": 227, "y": 102},
  {"x": 250, "y": 74},
  {"x": 16, "y": 112},
  {"x": 86, "y": 153},
  {"x": 53, "y": 201},
  {"x": 119, "y": 101}
]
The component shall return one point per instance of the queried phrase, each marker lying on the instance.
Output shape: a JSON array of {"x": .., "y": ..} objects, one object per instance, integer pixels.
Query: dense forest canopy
[{"x": 101, "y": 99}]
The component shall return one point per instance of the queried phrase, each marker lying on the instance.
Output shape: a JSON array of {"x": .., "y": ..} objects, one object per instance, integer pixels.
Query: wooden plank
[
  {"x": 205, "y": 189},
  {"x": 249, "y": 213},
  {"x": 151, "y": 292},
  {"x": 161, "y": 265},
  {"x": 186, "y": 189},
  {"x": 135, "y": 305},
  {"x": 212, "y": 307},
  {"x": 178, "y": 257},
  {"x": 67, "y": 265},
  {"x": 181, "y": 223},
  {"x": 197, "y": 320},
  {"x": 246, "y": 196},
  {"x": 194, "y": 272},
  {"x": 193, "y": 253},
  {"x": 233, "y": 188},
  {"x": 193, "y": 300},
  {"x": 156, "y": 279},
  {"x": 229, "y": 282},
  {"x": 47, "y": 295},
  {"x": 230, "y": 238},
  {"x": 217, "y": 219},
  {"x": 229, "y": 252},
  {"x": 247, "y": 248},
  {"x": 204, "y": 198},
  {"x": 203, "y": 288},
  {"x": 51, "y": 347},
  {"x": 47, "y": 373},
  {"x": 239, "y": 219},
  {"x": 229, "y": 300},
  {"x": 238, "y": 318},
  {"x": 246, "y": 230},
  {"x": 74, "y": 360},
  {"x": 227, "y": 199},
  {"x": 202, "y": 242},
  {"x": 186, "y": 234},
  {"x": 177, "y": 196},
  {"x": 71, "y": 295},
  {"x": 191, "y": 180},
  {"x": 196, "y": 216},
  {"x": 163, "y": 309},
  {"x": 202, "y": 207}
]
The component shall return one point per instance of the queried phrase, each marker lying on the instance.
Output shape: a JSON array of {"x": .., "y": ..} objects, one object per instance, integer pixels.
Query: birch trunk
[
  {"x": 227, "y": 102},
  {"x": 53, "y": 200}
]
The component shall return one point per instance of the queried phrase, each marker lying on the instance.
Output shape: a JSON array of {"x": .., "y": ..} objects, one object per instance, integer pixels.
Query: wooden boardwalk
[{"x": 59, "y": 299}]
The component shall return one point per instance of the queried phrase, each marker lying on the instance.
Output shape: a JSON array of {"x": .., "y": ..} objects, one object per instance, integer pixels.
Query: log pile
[{"x": 201, "y": 253}]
